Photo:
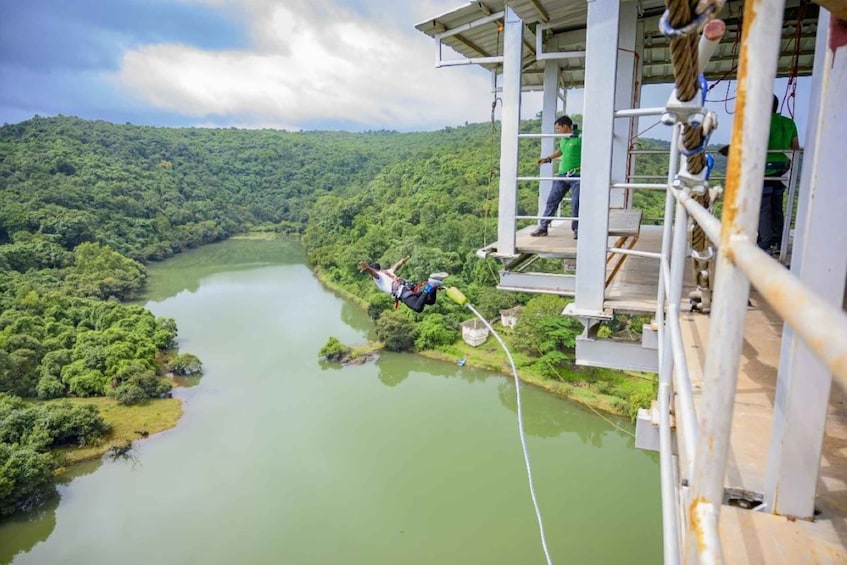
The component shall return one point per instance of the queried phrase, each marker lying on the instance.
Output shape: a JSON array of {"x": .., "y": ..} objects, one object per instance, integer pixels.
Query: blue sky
[{"x": 293, "y": 64}]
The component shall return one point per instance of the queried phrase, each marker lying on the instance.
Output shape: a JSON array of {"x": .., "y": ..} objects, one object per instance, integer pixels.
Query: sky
[{"x": 295, "y": 64}]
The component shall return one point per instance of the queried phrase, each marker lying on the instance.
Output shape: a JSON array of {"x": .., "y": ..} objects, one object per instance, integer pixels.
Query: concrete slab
[{"x": 751, "y": 537}]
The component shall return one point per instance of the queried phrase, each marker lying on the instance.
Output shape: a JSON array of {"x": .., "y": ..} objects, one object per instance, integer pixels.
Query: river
[{"x": 282, "y": 459}]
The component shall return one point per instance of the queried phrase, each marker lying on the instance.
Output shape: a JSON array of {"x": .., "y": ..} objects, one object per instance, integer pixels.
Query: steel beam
[
  {"x": 601, "y": 64},
  {"x": 820, "y": 261},
  {"x": 510, "y": 128}
]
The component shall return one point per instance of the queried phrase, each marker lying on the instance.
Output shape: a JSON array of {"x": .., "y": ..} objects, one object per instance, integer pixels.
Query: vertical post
[
  {"x": 820, "y": 261},
  {"x": 624, "y": 94},
  {"x": 601, "y": 61},
  {"x": 674, "y": 286},
  {"x": 793, "y": 181},
  {"x": 548, "y": 117},
  {"x": 510, "y": 127},
  {"x": 756, "y": 72}
]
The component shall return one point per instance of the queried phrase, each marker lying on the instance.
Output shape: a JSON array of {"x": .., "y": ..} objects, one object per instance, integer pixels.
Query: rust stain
[
  {"x": 694, "y": 523},
  {"x": 736, "y": 147}
]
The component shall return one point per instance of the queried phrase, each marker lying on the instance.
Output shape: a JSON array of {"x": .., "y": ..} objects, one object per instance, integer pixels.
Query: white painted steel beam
[
  {"x": 820, "y": 261},
  {"x": 601, "y": 68},
  {"x": 510, "y": 127},
  {"x": 615, "y": 355},
  {"x": 625, "y": 97},
  {"x": 549, "y": 283}
]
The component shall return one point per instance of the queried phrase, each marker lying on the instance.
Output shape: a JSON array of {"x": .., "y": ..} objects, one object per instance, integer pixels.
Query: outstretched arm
[
  {"x": 367, "y": 268},
  {"x": 554, "y": 155},
  {"x": 399, "y": 264}
]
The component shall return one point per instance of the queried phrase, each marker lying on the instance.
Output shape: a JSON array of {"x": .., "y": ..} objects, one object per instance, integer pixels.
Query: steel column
[
  {"x": 601, "y": 63},
  {"x": 510, "y": 127},
  {"x": 820, "y": 261},
  {"x": 624, "y": 98}
]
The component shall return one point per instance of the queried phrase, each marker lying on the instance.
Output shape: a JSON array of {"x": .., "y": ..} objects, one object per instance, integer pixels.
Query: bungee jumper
[{"x": 414, "y": 296}]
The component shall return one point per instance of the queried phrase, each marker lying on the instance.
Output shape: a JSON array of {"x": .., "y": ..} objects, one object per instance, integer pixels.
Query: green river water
[{"x": 282, "y": 459}]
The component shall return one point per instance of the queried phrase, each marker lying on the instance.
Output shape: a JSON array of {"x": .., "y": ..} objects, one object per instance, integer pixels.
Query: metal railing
[{"x": 692, "y": 492}]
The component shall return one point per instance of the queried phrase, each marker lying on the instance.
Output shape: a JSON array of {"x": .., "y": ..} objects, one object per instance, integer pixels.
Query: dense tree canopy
[{"x": 84, "y": 204}]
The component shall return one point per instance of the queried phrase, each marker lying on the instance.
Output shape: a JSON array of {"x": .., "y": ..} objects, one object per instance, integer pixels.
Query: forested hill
[
  {"x": 84, "y": 203},
  {"x": 149, "y": 192}
]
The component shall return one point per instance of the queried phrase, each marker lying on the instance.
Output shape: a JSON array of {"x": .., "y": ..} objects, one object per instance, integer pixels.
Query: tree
[
  {"x": 542, "y": 328},
  {"x": 26, "y": 478},
  {"x": 433, "y": 331},
  {"x": 186, "y": 364},
  {"x": 396, "y": 330},
  {"x": 334, "y": 350}
]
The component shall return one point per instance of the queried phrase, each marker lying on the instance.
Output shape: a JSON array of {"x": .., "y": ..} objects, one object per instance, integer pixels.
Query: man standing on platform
[
  {"x": 783, "y": 136},
  {"x": 570, "y": 151}
]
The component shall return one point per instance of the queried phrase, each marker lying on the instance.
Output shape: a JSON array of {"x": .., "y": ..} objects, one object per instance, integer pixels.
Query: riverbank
[
  {"x": 490, "y": 357},
  {"x": 129, "y": 423}
]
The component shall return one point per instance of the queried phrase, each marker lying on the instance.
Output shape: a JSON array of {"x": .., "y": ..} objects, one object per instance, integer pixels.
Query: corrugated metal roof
[{"x": 567, "y": 19}]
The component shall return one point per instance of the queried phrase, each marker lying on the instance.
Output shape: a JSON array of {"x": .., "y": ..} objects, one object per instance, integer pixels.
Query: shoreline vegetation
[
  {"x": 131, "y": 423},
  {"x": 128, "y": 424},
  {"x": 495, "y": 362}
]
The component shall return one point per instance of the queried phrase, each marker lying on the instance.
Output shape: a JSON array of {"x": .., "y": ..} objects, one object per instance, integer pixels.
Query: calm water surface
[{"x": 279, "y": 459}]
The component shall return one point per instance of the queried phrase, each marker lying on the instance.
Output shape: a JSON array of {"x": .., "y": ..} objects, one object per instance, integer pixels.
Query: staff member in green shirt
[
  {"x": 570, "y": 151},
  {"x": 783, "y": 136}
]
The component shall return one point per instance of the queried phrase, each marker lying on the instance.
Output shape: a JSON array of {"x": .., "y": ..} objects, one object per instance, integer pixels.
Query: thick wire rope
[
  {"x": 684, "y": 60},
  {"x": 520, "y": 431}
]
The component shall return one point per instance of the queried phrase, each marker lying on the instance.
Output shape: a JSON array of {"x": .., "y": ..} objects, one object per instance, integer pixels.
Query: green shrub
[
  {"x": 641, "y": 399},
  {"x": 50, "y": 387},
  {"x": 26, "y": 478},
  {"x": 334, "y": 350},
  {"x": 129, "y": 394}
]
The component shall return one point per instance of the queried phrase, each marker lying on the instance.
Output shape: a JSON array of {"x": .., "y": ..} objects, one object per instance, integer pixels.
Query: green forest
[{"x": 84, "y": 205}]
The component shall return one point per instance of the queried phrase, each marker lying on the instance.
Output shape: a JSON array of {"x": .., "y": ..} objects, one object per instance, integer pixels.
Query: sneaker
[
  {"x": 575, "y": 234},
  {"x": 540, "y": 232},
  {"x": 436, "y": 278}
]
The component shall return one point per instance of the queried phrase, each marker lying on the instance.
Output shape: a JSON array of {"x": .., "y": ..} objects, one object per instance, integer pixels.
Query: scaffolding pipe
[
  {"x": 711, "y": 226},
  {"x": 638, "y": 112},
  {"x": 687, "y": 412},
  {"x": 760, "y": 44},
  {"x": 822, "y": 327},
  {"x": 624, "y": 251},
  {"x": 789, "y": 207},
  {"x": 670, "y": 529},
  {"x": 639, "y": 186},
  {"x": 665, "y": 359}
]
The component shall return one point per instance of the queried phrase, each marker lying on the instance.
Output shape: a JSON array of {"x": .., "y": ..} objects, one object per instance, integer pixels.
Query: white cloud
[{"x": 310, "y": 62}]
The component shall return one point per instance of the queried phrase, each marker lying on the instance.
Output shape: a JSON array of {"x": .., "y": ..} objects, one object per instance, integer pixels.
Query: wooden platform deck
[
  {"x": 750, "y": 537},
  {"x": 634, "y": 287}
]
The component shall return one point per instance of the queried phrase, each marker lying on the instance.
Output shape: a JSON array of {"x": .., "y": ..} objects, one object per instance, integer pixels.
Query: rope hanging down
[
  {"x": 456, "y": 295},
  {"x": 682, "y": 20}
]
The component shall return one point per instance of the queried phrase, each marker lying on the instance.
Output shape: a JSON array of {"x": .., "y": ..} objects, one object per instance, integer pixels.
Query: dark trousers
[
  {"x": 557, "y": 193},
  {"x": 771, "y": 215},
  {"x": 417, "y": 300}
]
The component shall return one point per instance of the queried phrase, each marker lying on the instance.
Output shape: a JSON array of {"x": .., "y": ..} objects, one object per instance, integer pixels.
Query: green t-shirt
[
  {"x": 571, "y": 148},
  {"x": 783, "y": 130}
]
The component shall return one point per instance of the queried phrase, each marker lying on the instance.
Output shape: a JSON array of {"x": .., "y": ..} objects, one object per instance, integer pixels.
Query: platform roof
[{"x": 566, "y": 32}]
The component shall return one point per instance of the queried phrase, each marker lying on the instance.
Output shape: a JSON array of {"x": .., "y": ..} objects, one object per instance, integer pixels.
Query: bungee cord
[{"x": 457, "y": 296}]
